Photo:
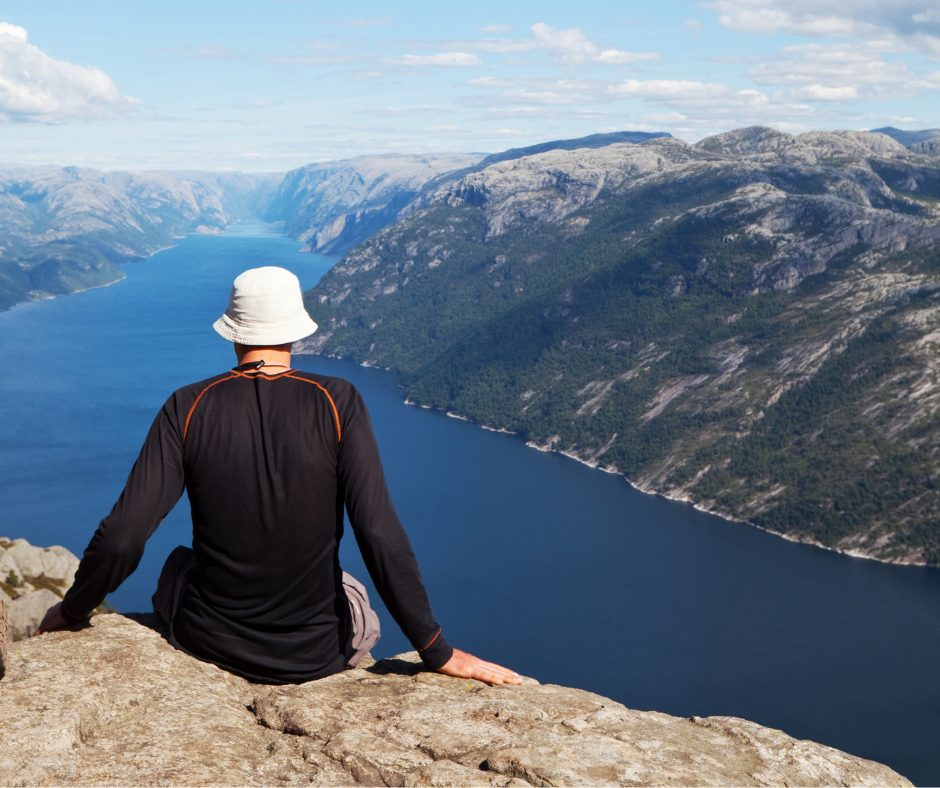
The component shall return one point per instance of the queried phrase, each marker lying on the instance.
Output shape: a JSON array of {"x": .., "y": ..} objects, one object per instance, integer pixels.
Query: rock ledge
[{"x": 112, "y": 703}]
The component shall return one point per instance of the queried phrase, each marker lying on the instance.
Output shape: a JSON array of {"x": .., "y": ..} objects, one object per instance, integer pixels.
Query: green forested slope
[{"x": 752, "y": 323}]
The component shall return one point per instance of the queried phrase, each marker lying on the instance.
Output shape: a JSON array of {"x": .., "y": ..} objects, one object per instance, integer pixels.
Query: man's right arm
[{"x": 153, "y": 487}]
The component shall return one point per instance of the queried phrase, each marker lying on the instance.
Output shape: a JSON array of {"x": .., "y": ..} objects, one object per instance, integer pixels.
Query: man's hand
[
  {"x": 467, "y": 666},
  {"x": 52, "y": 620}
]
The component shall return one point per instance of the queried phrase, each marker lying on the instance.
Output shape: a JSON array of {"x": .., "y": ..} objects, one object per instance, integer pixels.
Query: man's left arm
[{"x": 388, "y": 556}]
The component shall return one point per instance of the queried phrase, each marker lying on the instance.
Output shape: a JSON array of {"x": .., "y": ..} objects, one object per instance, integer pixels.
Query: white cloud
[
  {"x": 929, "y": 81},
  {"x": 694, "y": 26},
  {"x": 541, "y": 91},
  {"x": 842, "y": 66},
  {"x": 668, "y": 89},
  {"x": 442, "y": 59},
  {"x": 568, "y": 46},
  {"x": 819, "y": 93},
  {"x": 905, "y": 20},
  {"x": 701, "y": 103},
  {"x": 36, "y": 88},
  {"x": 572, "y": 46}
]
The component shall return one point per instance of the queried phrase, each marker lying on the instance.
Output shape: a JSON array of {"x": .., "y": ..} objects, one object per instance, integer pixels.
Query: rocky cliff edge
[{"x": 112, "y": 703}]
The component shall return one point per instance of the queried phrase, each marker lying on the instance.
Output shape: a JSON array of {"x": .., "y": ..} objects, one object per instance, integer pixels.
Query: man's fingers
[
  {"x": 501, "y": 676},
  {"x": 52, "y": 620},
  {"x": 467, "y": 666}
]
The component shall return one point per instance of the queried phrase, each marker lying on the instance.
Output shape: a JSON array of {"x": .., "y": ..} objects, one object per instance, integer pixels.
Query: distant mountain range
[
  {"x": 64, "y": 229},
  {"x": 751, "y": 323},
  {"x": 910, "y": 139}
]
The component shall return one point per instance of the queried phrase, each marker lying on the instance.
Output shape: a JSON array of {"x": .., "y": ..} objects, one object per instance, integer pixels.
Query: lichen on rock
[{"x": 113, "y": 703}]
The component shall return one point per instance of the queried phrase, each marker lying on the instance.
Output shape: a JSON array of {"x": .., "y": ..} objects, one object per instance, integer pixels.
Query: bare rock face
[
  {"x": 32, "y": 579},
  {"x": 334, "y": 205},
  {"x": 113, "y": 703}
]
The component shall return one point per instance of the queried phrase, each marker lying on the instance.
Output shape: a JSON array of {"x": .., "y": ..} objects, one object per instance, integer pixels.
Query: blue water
[{"x": 531, "y": 560}]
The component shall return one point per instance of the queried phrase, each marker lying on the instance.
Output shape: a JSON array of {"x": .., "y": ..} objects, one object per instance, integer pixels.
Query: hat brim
[{"x": 283, "y": 332}]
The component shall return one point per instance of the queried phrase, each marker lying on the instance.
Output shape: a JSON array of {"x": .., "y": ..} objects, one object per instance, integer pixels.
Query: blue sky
[{"x": 273, "y": 84}]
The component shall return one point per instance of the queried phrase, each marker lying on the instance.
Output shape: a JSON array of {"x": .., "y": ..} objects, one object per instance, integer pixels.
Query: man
[{"x": 269, "y": 457}]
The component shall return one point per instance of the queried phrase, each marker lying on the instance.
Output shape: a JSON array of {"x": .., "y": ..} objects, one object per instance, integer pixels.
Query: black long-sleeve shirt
[{"x": 269, "y": 462}]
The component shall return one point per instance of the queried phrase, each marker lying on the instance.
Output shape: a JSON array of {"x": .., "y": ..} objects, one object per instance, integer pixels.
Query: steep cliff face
[
  {"x": 114, "y": 704},
  {"x": 748, "y": 323},
  {"x": 335, "y": 205}
]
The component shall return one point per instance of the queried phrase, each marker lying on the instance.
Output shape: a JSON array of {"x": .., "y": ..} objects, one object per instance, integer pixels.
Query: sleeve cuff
[
  {"x": 437, "y": 653},
  {"x": 69, "y": 618}
]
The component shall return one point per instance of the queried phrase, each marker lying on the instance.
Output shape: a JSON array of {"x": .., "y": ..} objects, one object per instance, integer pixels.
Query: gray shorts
[{"x": 363, "y": 633}]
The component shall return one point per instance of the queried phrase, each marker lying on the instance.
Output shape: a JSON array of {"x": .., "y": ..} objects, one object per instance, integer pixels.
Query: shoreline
[
  {"x": 121, "y": 278},
  {"x": 548, "y": 448},
  {"x": 53, "y": 296},
  {"x": 728, "y": 518}
]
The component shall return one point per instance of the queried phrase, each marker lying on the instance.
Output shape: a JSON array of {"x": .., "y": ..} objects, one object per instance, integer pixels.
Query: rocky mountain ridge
[
  {"x": 336, "y": 205},
  {"x": 748, "y": 323},
  {"x": 112, "y": 703}
]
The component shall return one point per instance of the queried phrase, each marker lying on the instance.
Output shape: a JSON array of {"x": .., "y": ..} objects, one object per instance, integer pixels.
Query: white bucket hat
[{"x": 266, "y": 307}]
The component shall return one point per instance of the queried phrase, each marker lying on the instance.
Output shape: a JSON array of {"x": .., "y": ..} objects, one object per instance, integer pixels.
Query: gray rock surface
[
  {"x": 334, "y": 205},
  {"x": 32, "y": 579},
  {"x": 26, "y": 612},
  {"x": 112, "y": 703}
]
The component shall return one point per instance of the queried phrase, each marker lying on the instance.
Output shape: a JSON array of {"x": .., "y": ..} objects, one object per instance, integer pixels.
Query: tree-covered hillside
[{"x": 751, "y": 323}]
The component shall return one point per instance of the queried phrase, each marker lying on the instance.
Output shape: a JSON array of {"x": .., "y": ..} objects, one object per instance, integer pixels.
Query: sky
[{"x": 270, "y": 85}]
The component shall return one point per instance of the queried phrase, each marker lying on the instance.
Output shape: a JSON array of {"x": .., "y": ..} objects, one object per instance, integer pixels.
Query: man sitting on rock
[{"x": 269, "y": 457}]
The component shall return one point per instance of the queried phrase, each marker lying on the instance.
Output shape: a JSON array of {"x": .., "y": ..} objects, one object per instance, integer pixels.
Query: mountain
[
  {"x": 336, "y": 205},
  {"x": 909, "y": 139},
  {"x": 432, "y": 187},
  {"x": 67, "y": 229},
  {"x": 591, "y": 141},
  {"x": 243, "y": 195},
  {"x": 751, "y": 323}
]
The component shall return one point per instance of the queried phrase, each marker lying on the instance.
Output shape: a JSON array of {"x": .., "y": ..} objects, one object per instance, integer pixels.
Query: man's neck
[{"x": 274, "y": 358}]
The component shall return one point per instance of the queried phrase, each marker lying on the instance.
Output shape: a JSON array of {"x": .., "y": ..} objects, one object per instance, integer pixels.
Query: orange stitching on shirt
[
  {"x": 431, "y": 641},
  {"x": 190, "y": 414},
  {"x": 339, "y": 435}
]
